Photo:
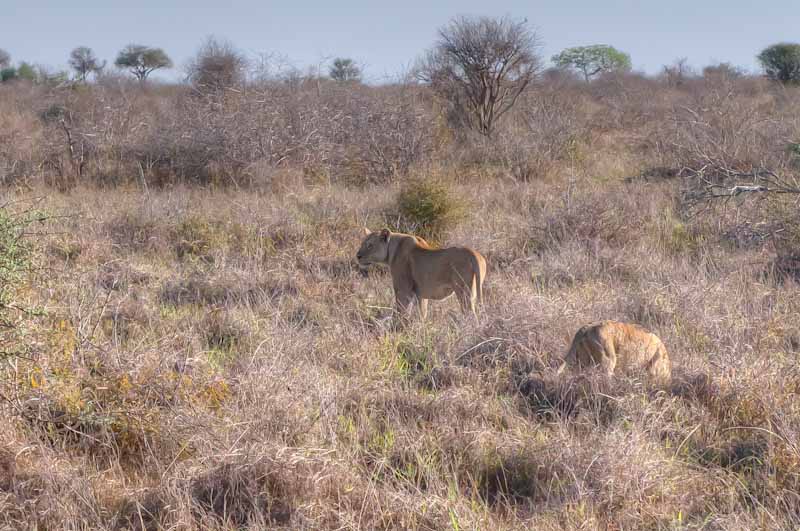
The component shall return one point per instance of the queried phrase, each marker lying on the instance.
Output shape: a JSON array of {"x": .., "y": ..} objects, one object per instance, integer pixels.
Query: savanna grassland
[{"x": 188, "y": 344}]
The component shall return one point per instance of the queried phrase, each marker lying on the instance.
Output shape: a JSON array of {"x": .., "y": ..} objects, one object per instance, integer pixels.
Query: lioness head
[{"x": 374, "y": 249}]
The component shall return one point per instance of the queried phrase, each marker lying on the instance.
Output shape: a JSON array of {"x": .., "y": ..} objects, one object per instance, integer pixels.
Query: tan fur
[
  {"x": 420, "y": 273},
  {"x": 616, "y": 346}
]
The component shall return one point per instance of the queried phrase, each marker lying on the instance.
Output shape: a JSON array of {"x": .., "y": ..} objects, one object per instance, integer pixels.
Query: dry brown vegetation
[{"x": 189, "y": 345}]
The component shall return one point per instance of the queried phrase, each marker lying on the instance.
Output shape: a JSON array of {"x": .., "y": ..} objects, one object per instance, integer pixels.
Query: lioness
[
  {"x": 621, "y": 346},
  {"x": 420, "y": 272}
]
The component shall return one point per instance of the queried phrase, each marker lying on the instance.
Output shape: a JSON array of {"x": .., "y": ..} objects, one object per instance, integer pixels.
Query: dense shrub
[{"x": 429, "y": 208}]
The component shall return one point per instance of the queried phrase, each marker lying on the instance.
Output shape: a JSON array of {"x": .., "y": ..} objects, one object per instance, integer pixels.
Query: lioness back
[
  {"x": 437, "y": 270},
  {"x": 616, "y": 347}
]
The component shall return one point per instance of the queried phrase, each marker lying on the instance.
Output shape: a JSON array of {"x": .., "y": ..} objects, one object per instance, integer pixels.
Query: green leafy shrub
[
  {"x": 197, "y": 238},
  {"x": 15, "y": 261},
  {"x": 13, "y": 254},
  {"x": 429, "y": 208},
  {"x": 8, "y": 74}
]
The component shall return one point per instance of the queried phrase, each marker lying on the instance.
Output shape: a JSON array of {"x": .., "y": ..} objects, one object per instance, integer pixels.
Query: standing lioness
[
  {"x": 420, "y": 273},
  {"x": 621, "y": 347}
]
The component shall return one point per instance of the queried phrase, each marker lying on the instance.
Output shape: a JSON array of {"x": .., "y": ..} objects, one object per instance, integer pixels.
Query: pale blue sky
[{"x": 386, "y": 37}]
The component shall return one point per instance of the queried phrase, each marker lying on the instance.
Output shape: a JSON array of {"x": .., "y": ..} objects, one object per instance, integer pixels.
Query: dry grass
[{"x": 212, "y": 359}]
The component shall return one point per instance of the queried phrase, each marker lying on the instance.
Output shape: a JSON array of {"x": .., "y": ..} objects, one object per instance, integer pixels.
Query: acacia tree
[
  {"x": 142, "y": 60},
  {"x": 781, "y": 62},
  {"x": 481, "y": 66},
  {"x": 344, "y": 69},
  {"x": 84, "y": 62},
  {"x": 593, "y": 60}
]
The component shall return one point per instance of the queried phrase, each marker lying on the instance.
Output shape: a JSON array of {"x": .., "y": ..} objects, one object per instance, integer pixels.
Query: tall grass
[{"x": 208, "y": 357}]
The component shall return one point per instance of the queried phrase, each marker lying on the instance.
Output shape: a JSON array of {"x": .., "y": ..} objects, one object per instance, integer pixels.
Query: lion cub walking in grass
[
  {"x": 619, "y": 346},
  {"x": 420, "y": 272}
]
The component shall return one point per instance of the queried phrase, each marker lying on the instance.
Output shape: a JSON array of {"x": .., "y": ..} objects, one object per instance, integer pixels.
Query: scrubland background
[{"x": 187, "y": 343}]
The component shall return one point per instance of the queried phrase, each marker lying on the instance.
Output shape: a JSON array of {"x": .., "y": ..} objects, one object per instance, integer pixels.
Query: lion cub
[
  {"x": 420, "y": 272},
  {"x": 619, "y": 346}
]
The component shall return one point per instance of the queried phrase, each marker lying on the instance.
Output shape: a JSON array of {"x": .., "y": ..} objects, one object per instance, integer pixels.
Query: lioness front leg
[
  {"x": 423, "y": 308},
  {"x": 609, "y": 360},
  {"x": 404, "y": 303}
]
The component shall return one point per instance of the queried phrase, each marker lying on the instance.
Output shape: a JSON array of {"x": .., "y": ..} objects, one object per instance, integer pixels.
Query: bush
[
  {"x": 13, "y": 254},
  {"x": 547, "y": 130},
  {"x": 724, "y": 132},
  {"x": 241, "y": 495},
  {"x": 429, "y": 208},
  {"x": 217, "y": 66},
  {"x": 8, "y": 74},
  {"x": 15, "y": 261}
]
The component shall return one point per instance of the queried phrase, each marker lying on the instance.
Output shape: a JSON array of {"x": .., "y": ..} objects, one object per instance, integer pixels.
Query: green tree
[
  {"x": 593, "y": 60},
  {"x": 344, "y": 69},
  {"x": 142, "y": 60},
  {"x": 781, "y": 62},
  {"x": 84, "y": 62},
  {"x": 26, "y": 71}
]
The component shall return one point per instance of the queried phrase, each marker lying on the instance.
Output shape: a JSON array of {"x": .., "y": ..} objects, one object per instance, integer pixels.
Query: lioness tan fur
[
  {"x": 420, "y": 272},
  {"x": 616, "y": 346}
]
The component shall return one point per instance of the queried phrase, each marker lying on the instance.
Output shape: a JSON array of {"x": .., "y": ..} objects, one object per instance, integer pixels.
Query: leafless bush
[
  {"x": 545, "y": 130},
  {"x": 20, "y": 134},
  {"x": 728, "y": 144},
  {"x": 722, "y": 72},
  {"x": 216, "y": 66},
  {"x": 382, "y": 135},
  {"x": 89, "y": 132},
  {"x": 630, "y": 101},
  {"x": 242, "y": 494}
]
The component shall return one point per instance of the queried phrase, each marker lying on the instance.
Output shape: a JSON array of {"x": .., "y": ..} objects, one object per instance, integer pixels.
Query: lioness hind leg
[
  {"x": 473, "y": 306},
  {"x": 659, "y": 367},
  {"x": 467, "y": 298}
]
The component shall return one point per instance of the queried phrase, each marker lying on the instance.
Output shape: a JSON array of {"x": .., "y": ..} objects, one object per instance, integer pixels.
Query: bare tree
[
  {"x": 84, "y": 62},
  {"x": 676, "y": 74},
  {"x": 216, "y": 66},
  {"x": 5, "y": 59},
  {"x": 481, "y": 66},
  {"x": 142, "y": 60}
]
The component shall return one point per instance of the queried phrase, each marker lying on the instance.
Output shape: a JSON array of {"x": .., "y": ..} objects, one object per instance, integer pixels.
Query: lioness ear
[
  {"x": 385, "y": 235},
  {"x": 367, "y": 232}
]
